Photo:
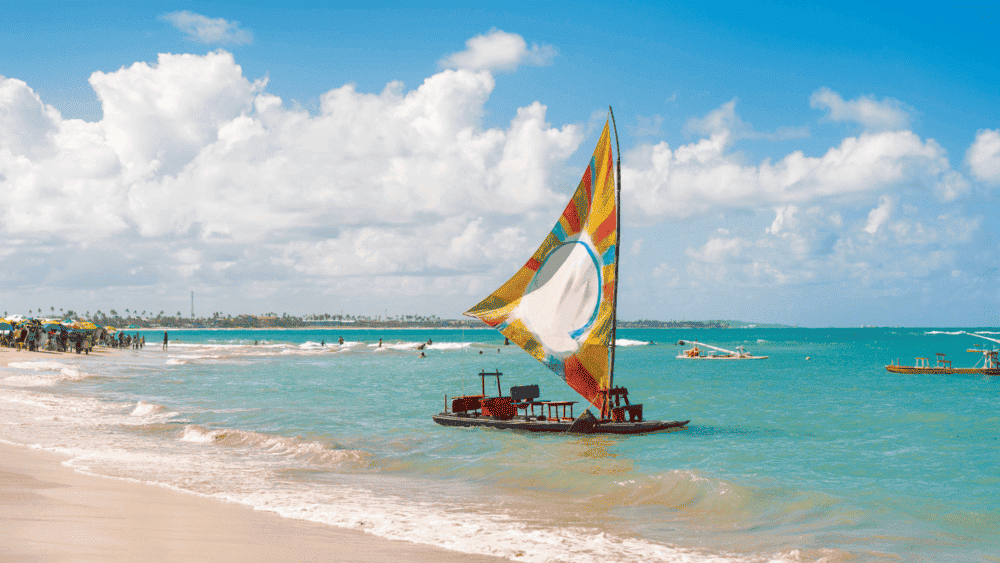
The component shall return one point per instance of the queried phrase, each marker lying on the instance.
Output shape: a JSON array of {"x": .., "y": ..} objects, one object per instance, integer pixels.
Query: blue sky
[{"x": 809, "y": 164}]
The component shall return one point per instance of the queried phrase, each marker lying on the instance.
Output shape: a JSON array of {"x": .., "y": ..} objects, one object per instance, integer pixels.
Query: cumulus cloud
[
  {"x": 498, "y": 51},
  {"x": 724, "y": 118},
  {"x": 983, "y": 157},
  {"x": 718, "y": 249},
  {"x": 660, "y": 182},
  {"x": 26, "y": 124},
  {"x": 197, "y": 177},
  {"x": 207, "y": 30},
  {"x": 879, "y": 215},
  {"x": 859, "y": 213},
  {"x": 887, "y": 115},
  {"x": 201, "y": 177}
]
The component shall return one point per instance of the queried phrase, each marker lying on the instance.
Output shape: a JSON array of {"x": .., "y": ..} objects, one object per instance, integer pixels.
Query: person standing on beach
[{"x": 164, "y": 340}]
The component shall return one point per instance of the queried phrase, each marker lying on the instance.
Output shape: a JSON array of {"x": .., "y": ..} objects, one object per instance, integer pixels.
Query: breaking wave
[
  {"x": 627, "y": 342},
  {"x": 311, "y": 452},
  {"x": 46, "y": 374}
]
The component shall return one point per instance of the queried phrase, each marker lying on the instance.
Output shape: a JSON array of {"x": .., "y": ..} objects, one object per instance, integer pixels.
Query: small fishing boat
[
  {"x": 987, "y": 365},
  {"x": 560, "y": 308},
  {"x": 697, "y": 353}
]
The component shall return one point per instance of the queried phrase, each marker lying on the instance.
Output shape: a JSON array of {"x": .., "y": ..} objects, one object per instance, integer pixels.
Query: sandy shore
[
  {"x": 50, "y": 513},
  {"x": 8, "y": 355}
]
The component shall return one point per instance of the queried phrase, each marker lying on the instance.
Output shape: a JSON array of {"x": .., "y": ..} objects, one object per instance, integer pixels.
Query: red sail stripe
[
  {"x": 533, "y": 265},
  {"x": 580, "y": 379},
  {"x": 587, "y": 183},
  {"x": 572, "y": 218},
  {"x": 606, "y": 228},
  {"x": 609, "y": 291}
]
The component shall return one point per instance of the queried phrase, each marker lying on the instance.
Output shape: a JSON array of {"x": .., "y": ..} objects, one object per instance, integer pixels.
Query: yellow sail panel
[{"x": 559, "y": 306}]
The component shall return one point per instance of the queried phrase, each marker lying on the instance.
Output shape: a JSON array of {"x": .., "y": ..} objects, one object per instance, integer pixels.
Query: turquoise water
[{"x": 814, "y": 454}]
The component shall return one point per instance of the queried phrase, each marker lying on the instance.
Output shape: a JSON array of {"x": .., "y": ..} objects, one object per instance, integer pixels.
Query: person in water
[
  {"x": 165, "y": 340},
  {"x": 422, "y": 355},
  {"x": 379, "y": 342},
  {"x": 340, "y": 341}
]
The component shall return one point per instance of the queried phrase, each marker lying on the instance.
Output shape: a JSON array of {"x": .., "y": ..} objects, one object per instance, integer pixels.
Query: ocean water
[{"x": 814, "y": 454}]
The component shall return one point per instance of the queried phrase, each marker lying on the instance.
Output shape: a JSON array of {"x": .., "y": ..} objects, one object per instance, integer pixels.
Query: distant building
[{"x": 267, "y": 321}]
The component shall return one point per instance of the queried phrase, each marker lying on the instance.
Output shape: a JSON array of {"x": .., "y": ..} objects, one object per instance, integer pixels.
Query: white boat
[{"x": 696, "y": 353}]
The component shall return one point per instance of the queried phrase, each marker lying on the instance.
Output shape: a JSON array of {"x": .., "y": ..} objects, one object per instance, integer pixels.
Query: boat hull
[
  {"x": 945, "y": 371},
  {"x": 684, "y": 357},
  {"x": 560, "y": 425}
]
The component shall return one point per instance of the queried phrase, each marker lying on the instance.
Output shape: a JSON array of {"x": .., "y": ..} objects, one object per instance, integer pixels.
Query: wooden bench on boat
[
  {"x": 618, "y": 412},
  {"x": 523, "y": 397},
  {"x": 467, "y": 403},
  {"x": 556, "y": 405}
]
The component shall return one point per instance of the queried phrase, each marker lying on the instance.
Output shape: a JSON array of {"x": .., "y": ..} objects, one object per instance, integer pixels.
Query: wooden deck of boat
[
  {"x": 560, "y": 425},
  {"x": 945, "y": 371}
]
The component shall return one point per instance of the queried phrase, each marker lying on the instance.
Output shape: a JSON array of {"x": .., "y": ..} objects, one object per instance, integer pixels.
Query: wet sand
[
  {"x": 8, "y": 355},
  {"x": 51, "y": 513}
]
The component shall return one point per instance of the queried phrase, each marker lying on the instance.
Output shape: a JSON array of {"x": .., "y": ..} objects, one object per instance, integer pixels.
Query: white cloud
[
  {"x": 719, "y": 249},
  {"x": 206, "y": 30},
  {"x": 636, "y": 247},
  {"x": 784, "y": 217},
  {"x": 26, "y": 124},
  {"x": 879, "y": 215},
  {"x": 197, "y": 176},
  {"x": 498, "y": 51},
  {"x": 659, "y": 182},
  {"x": 723, "y": 120},
  {"x": 887, "y": 115},
  {"x": 983, "y": 157}
]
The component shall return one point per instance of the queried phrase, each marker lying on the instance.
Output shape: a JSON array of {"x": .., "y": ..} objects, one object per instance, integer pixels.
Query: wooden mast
[{"x": 618, "y": 237}]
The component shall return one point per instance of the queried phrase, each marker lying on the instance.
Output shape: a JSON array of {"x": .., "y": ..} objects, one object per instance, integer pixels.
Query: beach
[{"x": 51, "y": 513}]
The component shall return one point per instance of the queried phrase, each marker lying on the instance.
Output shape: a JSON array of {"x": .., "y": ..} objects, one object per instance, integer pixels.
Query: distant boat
[
  {"x": 560, "y": 308},
  {"x": 987, "y": 365},
  {"x": 697, "y": 353}
]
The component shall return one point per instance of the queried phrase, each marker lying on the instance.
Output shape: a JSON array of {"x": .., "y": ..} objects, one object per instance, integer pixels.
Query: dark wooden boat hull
[
  {"x": 946, "y": 371},
  {"x": 561, "y": 425}
]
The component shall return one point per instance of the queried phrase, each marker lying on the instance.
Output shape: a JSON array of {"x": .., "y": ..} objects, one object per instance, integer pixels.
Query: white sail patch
[{"x": 562, "y": 301}]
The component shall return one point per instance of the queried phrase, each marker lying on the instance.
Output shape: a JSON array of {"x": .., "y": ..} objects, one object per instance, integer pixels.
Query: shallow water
[{"x": 829, "y": 458}]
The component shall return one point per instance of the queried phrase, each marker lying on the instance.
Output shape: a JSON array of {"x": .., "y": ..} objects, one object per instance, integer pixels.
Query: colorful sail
[{"x": 559, "y": 307}]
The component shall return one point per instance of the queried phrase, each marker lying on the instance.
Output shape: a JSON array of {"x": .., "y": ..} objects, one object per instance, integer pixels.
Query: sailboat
[
  {"x": 987, "y": 365},
  {"x": 697, "y": 354},
  {"x": 560, "y": 307}
]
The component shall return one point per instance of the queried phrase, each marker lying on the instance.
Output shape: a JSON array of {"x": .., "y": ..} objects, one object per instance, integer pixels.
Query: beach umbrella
[{"x": 83, "y": 326}]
